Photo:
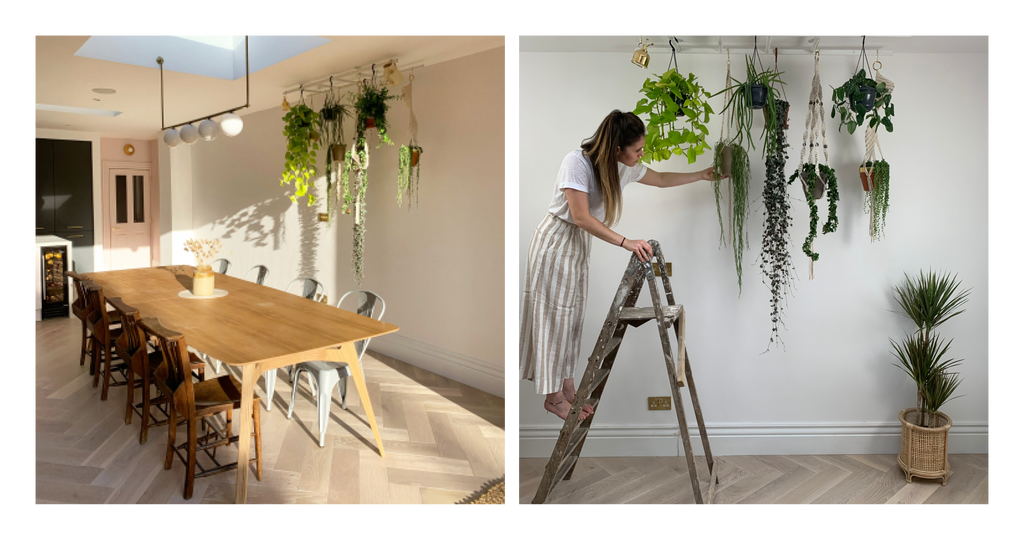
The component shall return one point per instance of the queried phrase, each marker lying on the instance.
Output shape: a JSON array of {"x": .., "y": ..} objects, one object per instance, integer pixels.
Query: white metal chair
[
  {"x": 221, "y": 265},
  {"x": 308, "y": 288},
  {"x": 329, "y": 374}
]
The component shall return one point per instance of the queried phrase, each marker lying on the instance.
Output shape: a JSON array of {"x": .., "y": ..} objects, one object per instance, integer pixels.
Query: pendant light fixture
[{"x": 230, "y": 123}]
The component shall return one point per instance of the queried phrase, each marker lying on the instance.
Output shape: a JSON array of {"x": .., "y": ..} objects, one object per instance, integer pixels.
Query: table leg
[
  {"x": 249, "y": 374},
  {"x": 347, "y": 354}
]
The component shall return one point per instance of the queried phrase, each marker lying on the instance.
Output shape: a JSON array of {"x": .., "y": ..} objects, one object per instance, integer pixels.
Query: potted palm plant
[{"x": 928, "y": 301}]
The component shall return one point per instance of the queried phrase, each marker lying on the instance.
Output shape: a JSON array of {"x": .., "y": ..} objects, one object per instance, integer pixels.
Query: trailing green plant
[
  {"x": 929, "y": 301},
  {"x": 300, "y": 127},
  {"x": 371, "y": 101},
  {"x": 876, "y": 201},
  {"x": 740, "y": 178},
  {"x": 356, "y": 164},
  {"x": 740, "y": 104},
  {"x": 409, "y": 173},
  {"x": 332, "y": 134},
  {"x": 851, "y": 116},
  {"x": 670, "y": 98},
  {"x": 776, "y": 264},
  {"x": 818, "y": 173}
]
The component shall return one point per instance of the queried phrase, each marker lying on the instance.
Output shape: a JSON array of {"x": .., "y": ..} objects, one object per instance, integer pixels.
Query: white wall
[
  {"x": 833, "y": 389},
  {"x": 439, "y": 266}
]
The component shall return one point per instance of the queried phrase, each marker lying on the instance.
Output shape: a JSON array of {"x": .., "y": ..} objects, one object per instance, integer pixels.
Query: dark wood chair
[
  {"x": 78, "y": 308},
  {"x": 132, "y": 346},
  {"x": 100, "y": 324},
  {"x": 198, "y": 402}
]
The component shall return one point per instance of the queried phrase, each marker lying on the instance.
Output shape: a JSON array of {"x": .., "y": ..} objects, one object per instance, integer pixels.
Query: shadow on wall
[
  {"x": 308, "y": 238},
  {"x": 253, "y": 225}
]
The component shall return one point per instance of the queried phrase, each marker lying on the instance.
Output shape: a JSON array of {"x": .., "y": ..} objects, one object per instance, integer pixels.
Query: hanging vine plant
[
  {"x": 776, "y": 264},
  {"x": 301, "y": 126},
  {"x": 757, "y": 92},
  {"x": 862, "y": 97},
  {"x": 332, "y": 135},
  {"x": 356, "y": 165},
  {"x": 409, "y": 155},
  {"x": 371, "y": 104},
  {"x": 876, "y": 200}
]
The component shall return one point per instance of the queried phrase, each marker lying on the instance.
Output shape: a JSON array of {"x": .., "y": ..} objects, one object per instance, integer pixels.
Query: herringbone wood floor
[
  {"x": 444, "y": 440},
  {"x": 825, "y": 479}
]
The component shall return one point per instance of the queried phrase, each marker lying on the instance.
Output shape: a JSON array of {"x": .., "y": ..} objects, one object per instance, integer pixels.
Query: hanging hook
[
  {"x": 877, "y": 61},
  {"x": 373, "y": 68}
]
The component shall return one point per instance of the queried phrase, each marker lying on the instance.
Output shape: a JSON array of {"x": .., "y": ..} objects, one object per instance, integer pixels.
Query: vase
[
  {"x": 924, "y": 451},
  {"x": 202, "y": 281}
]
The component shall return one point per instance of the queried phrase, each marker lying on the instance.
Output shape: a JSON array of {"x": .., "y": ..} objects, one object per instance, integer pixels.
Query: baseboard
[
  {"x": 464, "y": 369},
  {"x": 748, "y": 440}
]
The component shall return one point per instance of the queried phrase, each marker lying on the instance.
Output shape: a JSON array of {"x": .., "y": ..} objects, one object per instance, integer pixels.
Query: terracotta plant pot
[
  {"x": 785, "y": 113},
  {"x": 726, "y": 161},
  {"x": 371, "y": 123},
  {"x": 924, "y": 451},
  {"x": 314, "y": 136},
  {"x": 415, "y": 157},
  {"x": 867, "y": 178},
  {"x": 338, "y": 152}
]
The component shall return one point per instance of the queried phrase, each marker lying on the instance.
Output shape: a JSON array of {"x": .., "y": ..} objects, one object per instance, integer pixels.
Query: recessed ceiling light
[{"x": 104, "y": 90}]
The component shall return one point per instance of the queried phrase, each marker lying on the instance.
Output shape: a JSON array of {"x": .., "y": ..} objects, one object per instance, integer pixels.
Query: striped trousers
[{"x": 554, "y": 302}]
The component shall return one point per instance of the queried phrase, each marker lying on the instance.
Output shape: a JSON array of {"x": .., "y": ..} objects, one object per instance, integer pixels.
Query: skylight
[{"x": 222, "y": 57}]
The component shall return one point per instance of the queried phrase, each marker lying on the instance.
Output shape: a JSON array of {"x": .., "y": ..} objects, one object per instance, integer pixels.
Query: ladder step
[
  {"x": 575, "y": 440},
  {"x": 564, "y": 469},
  {"x": 644, "y": 314},
  {"x": 600, "y": 376}
]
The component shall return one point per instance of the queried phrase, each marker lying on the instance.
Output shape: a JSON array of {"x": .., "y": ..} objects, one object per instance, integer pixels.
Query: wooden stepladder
[{"x": 622, "y": 314}]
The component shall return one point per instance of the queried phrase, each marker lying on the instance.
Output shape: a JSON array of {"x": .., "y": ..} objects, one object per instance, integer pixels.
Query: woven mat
[{"x": 493, "y": 492}]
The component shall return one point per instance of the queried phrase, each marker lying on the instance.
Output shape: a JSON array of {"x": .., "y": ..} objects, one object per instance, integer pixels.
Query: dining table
[{"x": 253, "y": 327}]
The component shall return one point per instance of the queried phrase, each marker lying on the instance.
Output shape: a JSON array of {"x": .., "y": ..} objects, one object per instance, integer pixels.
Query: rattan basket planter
[{"x": 924, "y": 452}]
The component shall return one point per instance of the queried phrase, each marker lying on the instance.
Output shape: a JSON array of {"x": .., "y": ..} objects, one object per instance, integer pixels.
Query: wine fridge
[{"x": 54, "y": 281}]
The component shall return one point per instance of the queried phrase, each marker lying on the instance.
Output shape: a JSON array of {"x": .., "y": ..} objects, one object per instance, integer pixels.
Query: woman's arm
[
  {"x": 663, "y": 180},
  {"x": 579, "y": 207}
]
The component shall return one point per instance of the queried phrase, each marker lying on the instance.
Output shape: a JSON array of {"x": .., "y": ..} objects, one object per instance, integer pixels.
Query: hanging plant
[
  {"x": 332, "y": 135},
  {"x": 776, "y": 265},
  {"x": 300, "y": 130},
  {"x": 756, "y": 92},
  {"x": 355, "y": 200},
  {"x": 876, "y": 200},
  {"x": 673, "y": 97},
  {"x": 409, "y": 172},
  {"x": 371, "y": 104},
  {"x": 861, "y": 97}
]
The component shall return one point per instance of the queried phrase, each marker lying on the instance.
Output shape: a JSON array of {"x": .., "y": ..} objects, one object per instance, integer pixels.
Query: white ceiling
[
  {"x": 786, "y": 44},
  {"x": 65, "y": 79}
]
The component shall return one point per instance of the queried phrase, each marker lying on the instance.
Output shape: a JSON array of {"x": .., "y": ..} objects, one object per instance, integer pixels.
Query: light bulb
[
  {"x": 172, "y": 138},
  {"x": 189, "y": 134},
  {"x": 231, "y": 124},
  {"x": 208, "y": 130}
]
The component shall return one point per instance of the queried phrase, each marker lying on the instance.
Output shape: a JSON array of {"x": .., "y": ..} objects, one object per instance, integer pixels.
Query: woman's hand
[
  {"x": 709, "y": 174},
  {"x": 640, "y": 247}
]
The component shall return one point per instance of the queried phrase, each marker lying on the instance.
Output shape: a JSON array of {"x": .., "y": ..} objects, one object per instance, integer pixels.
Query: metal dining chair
[
  {"x": 221, "y": 265},
  {"x": 261, "y": 274},
  {"x": 329, "y": 374},
  {"x": 308, "y": 288}
]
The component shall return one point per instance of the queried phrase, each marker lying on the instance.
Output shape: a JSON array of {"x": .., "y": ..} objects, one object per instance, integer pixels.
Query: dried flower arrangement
[{"x": 204, "y": 250}]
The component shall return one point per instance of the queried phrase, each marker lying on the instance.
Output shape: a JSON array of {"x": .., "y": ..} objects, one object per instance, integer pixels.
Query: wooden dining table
[{"x": 254, "y": 327}]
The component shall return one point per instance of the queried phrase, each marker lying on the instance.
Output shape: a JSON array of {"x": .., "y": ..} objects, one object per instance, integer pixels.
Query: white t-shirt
[{"x": 577, "y": 173}]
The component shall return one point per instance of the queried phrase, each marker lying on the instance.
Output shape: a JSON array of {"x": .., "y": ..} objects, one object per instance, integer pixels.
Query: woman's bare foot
[
  {"x": 570, "y": 395},
  {"x": 557, "y": 405}
]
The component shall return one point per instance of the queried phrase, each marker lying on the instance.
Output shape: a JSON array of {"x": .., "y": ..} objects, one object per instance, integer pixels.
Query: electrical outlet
[
  {"x": 657, "y": 269},
  {"x": 324, "y": 217},
  {"x": 659, "y": 404}
]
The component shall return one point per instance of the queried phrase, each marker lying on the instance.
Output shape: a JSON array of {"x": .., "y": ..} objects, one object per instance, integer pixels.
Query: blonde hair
[{"x": 618, "y": 130}]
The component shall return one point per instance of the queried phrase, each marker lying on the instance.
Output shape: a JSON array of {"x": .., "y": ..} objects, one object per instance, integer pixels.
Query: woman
[{"x": 587, "y": 200}]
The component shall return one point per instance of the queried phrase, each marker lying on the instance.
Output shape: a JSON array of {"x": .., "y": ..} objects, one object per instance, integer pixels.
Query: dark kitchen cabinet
[{"x": 64, "y": 196}]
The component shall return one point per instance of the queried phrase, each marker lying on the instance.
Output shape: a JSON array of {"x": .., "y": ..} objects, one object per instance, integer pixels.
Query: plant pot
[
  {"x": 329, "y": 114},
  {"x": 758, "y": 96},
  {"x": 202, "y": 281},
  {"x": 338, "y": 152},
  {"x": 819, "y": 186},
  {"x": 414, "y": 157},
  {"x": 314, "y": 136},
  {"x": 371, "y": 123},
  {"x": 924, "y": 451},
  {"x": 867, "y": 178},
  {"x": 681, "y": 101},
  {"x": 726, "y": 161},
  {"x": 869, "y": 99},
  {"x": 785, "y": 113}
]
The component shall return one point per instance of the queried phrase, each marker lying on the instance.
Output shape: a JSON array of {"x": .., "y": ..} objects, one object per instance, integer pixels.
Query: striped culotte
[{"x": 554, "y": 301}]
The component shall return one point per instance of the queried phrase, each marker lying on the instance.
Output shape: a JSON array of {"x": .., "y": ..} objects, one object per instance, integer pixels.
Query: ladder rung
[
  {"x": 564, "y": 469},
  {"x": 611, "y": 347},
  {"x": 576, "y": 438},
  {"x": 644, "y": 314},
  {"x": 600, "y": 376}
]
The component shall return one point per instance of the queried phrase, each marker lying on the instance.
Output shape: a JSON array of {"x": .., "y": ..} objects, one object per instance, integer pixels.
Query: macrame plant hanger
[
  {"x": 405, "y": 183},
  {"x": 813, "y": 127},
  {"x": 871, "y": 133},
  {"x": 725, "y": 135}
]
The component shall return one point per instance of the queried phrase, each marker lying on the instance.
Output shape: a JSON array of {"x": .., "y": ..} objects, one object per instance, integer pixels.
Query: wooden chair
[
  {"x": 99, "y": 323},
  {"x": 78, "y": 308},
  {"x": 195, "y": 402},
  {"x": 261, "y": 273},
  {"x": 131, "y": 345},
  {"x": 221, "y": 265}
]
